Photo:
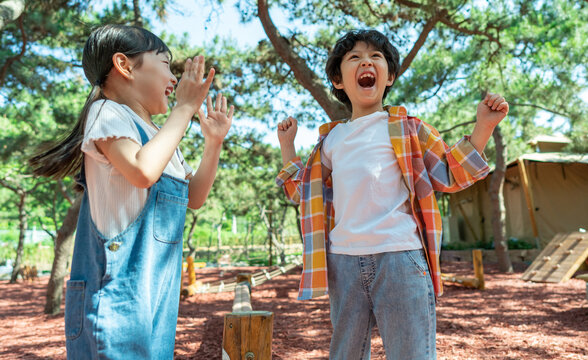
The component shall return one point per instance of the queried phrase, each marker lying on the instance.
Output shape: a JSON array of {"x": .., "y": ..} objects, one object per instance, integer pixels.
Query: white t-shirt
[
  {"x": 114, "y": 202},
  {"x": 370, "y": 197}
]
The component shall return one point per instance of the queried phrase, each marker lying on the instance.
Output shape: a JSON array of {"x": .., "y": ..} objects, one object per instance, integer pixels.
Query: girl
[{"x": 123, "y": 294}]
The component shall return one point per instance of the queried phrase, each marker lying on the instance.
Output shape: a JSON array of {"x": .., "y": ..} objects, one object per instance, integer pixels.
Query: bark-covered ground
[{"x": 511, "y": 319}]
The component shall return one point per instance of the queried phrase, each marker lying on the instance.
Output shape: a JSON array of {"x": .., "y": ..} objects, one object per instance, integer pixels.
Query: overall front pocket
[
  {"x": 74, "y": 308},
  {"x": 169, "y": 218}
]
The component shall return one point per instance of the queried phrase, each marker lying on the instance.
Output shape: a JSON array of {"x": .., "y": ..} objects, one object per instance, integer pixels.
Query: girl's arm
[
  {"x": 215, "y": 126},
  {"x": 142, "y": 166}
]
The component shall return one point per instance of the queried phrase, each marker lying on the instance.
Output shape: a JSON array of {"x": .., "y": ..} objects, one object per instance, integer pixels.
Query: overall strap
[{"x": 142, "y": 133}]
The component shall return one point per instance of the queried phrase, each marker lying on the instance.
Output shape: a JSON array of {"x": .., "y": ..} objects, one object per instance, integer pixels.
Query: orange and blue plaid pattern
[{"x": 427, "y": 165}]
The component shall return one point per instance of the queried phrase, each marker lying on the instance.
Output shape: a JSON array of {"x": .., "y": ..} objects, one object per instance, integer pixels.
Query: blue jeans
[
  {"x": 394, "y": 291},
  {"x": 123, "y": 294}
]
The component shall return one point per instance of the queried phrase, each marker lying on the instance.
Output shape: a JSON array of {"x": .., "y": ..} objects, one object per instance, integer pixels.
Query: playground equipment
[
  {"x": 474, "y": 282},
  {"x": 257, "y": 278},
  {"x": 28, "y": 273},
  {"x": 247, "y": 334},
  {"x": 560, "y": 259}
]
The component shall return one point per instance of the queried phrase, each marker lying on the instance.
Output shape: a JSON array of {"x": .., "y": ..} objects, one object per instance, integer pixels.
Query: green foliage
[{"x": 531, "y": 51}]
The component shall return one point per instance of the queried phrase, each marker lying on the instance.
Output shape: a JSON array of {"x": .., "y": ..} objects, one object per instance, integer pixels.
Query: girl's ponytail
[{"x": 65, "y": 158}]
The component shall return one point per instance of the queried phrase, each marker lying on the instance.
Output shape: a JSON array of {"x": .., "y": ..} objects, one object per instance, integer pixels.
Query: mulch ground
[{"x": 511, "y": 319}]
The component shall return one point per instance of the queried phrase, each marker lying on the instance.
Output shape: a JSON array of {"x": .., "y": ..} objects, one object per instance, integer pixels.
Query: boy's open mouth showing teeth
[{"x": 366, "y": 80}]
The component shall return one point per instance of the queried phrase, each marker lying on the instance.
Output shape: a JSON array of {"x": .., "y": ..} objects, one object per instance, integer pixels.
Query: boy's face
[{"x": 364, "y": 77}]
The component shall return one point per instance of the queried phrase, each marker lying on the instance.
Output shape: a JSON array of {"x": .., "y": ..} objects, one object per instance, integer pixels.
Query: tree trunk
[
  {"x": 138, "y": 19},
  {"x": 271, "y": 233},
  {"x": 246, "y": 242},
  {"x": 304, "y": 74},
  {"x": 62, "y": 250},
  {"x": 190, "y": 234},
  {"x": 219, "y": 239},
  {"x": 22, "y": 227},
  {"x": 280, "y": 235},
  {"x": 497, "y": 204}
]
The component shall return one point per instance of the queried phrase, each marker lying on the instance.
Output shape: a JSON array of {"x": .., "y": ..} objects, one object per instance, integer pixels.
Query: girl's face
[
  {"x": 364, "y": 77},
  {"x": 153, "y": 82}
]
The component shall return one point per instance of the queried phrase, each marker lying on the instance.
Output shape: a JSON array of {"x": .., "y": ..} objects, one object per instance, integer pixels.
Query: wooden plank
[
  {"x": 529, "y": 198},
  {"x": 248, "y": 335},
  {"x": 462, "y": 280},
  {"x": 536, "y": 266},
  {"x": 560, "y": 259}
]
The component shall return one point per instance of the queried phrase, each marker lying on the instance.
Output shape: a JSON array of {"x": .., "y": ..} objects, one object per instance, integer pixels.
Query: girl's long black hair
[{"x": 65, "y": 157}]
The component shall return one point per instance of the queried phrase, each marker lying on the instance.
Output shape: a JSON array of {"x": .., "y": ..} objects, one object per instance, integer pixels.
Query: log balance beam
[
  {"x": 247, "y": 334},
  {"x": 473, "y": 282}
]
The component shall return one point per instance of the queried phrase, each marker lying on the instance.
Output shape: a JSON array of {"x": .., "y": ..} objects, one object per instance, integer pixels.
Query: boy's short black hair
[{"x": 346, "y": 44}]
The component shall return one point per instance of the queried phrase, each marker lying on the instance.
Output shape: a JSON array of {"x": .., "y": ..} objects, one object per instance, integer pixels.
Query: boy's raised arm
[
  {"x": 490, "y": 113},
  {"x": 286, "y": 134}
]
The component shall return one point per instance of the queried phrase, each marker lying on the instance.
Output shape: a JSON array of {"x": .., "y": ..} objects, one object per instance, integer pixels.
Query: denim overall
[{"x": 123, "y": 294}]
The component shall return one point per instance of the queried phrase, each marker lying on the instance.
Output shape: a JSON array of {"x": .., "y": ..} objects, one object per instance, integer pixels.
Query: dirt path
[{"x": 511, "y": 319}]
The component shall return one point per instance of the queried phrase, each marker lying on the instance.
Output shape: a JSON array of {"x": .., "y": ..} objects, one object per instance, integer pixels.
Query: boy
[{"x": 368, "y": 209}]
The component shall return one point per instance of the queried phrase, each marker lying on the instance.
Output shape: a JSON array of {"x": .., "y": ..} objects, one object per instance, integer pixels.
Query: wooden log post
[
  {"x": 190, "y": 270},
  {"x": 478, "y": 268},
  {"x": 192, "y": 283},
  {"x": 248, "y": 335}
]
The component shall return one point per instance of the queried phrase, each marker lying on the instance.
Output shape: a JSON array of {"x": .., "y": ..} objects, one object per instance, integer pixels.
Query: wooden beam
[
  {"x": 529, "y": 199},
  {"x": 242, "y": 301},
  {"x": 462, "y": 280}
]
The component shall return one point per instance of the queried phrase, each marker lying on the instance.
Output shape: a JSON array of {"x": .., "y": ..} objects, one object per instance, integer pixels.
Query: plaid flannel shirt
[{"x": 427, "y": 165}]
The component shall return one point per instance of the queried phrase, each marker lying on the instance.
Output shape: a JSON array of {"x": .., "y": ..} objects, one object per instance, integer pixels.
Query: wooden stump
[
  {"x": 248, "y": 336},
  {"x": 478, "y": 268}
]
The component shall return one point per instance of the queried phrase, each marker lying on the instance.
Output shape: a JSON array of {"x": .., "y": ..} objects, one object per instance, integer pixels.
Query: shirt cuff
[{"x": 289, "y": 170}]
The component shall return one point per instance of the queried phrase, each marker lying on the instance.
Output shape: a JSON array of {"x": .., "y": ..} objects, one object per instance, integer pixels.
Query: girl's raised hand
[
  {"x": 287, "y": 130},
  {"x": 217, "y": 122},
  {"x": 192, "y": 90}
]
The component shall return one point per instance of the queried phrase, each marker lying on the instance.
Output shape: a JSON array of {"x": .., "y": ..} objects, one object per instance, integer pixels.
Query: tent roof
[
  {"x": 554, "y": 157},
  {"x": 559, "y": 139}
]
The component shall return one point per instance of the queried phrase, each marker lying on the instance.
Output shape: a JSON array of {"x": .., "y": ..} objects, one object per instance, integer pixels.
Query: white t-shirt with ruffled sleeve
[{"x": 114, "y": 202}]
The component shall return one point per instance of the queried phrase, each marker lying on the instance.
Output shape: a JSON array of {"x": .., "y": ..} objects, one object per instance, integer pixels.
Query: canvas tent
[{"x": 544, "y": 194}]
